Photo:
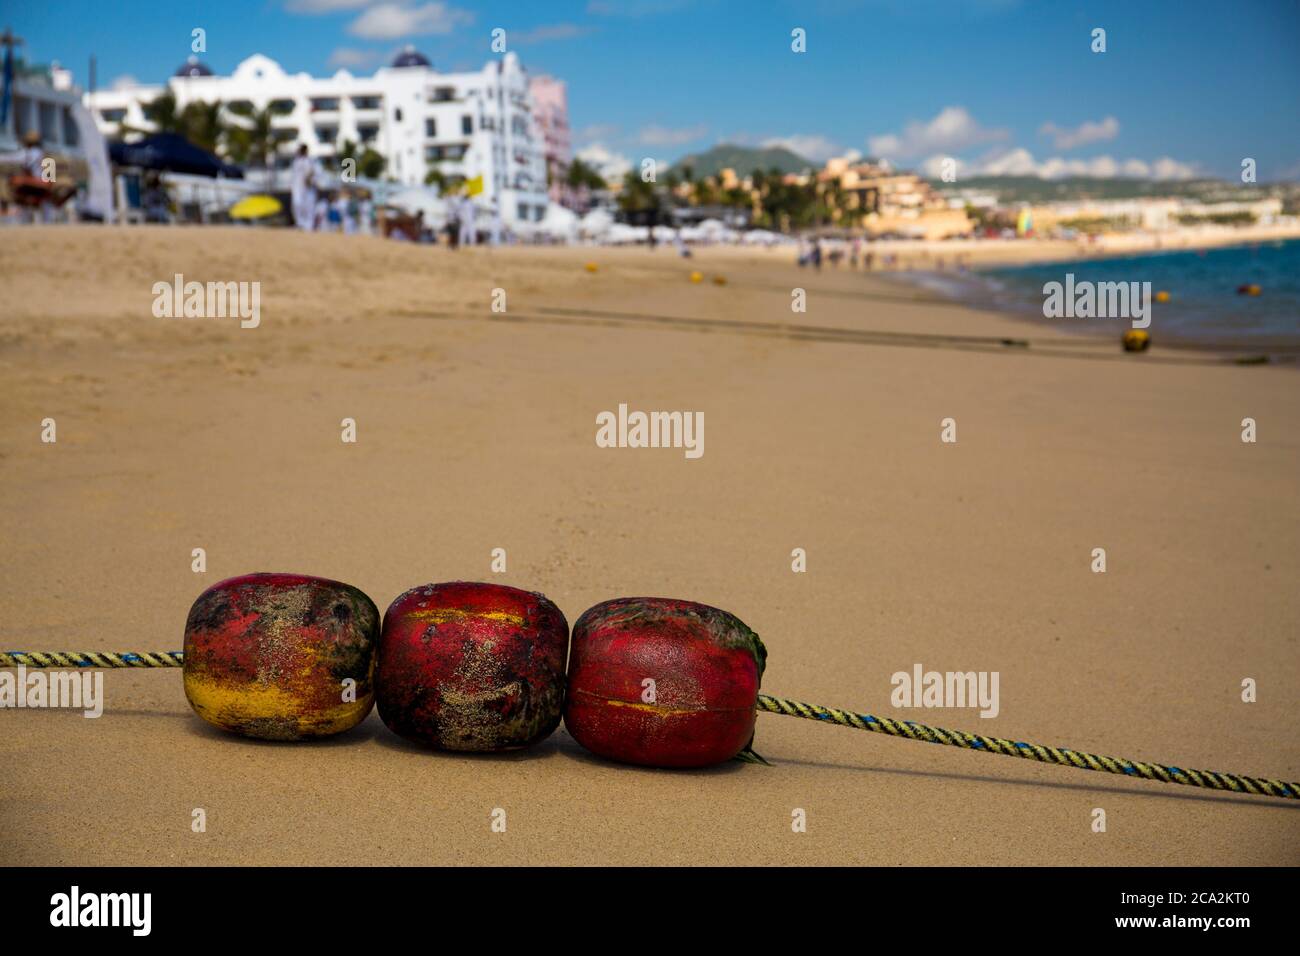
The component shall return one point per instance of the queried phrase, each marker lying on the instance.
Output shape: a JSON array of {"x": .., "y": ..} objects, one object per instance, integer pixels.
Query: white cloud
[
  {"x": 350, "y": 58},
  {"x": 1166, "y": 168},
  {"x": 664, "y": 136},
  {"x": 633, "y": 8},
  {"x": 552, "y": 31},
  {"x": 389, "y": 21},
  {"x": 595, "y": 132},
  {"x": 325, "y": 6},
  {"x": 1072, "y": 138},
  {"x": 609, "y": 164},
  {"x": 1021, "y": 162},
  {"x": 810, "y": 146},
  {"x": 952, "y": 130}
]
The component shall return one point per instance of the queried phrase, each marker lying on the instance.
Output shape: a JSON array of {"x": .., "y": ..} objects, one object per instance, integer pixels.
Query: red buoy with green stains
[
  {"x": 281, "y": 656},
  {"x": 663, "y": 682},
  {"x": 472, "y": 667}
]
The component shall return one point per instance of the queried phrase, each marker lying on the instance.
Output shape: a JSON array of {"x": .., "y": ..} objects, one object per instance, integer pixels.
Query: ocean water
[{"x": 1204, "y": 304}]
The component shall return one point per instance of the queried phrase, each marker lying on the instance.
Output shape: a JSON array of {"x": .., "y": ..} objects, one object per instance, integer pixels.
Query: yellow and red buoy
[
  {"x": 1136, "y": 340},
  {"x": 663, "y": 682},
  {"x": 281, "y": 656},
  {"x": 472, "y": 667}
]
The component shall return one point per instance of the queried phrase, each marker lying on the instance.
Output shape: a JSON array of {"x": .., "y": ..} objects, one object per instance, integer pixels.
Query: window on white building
[
  {"x": 366, "y": 102},
  {"x": 324, "y": 104},
  {"x": 467, "y": 125},
  {"x": 431, "y": 128},
  {"x": 442, "y": 94},
  {"x": 367, "y": 133},
  {"x": 281, "y": 106},
  {"x": 112, "y": 116}
]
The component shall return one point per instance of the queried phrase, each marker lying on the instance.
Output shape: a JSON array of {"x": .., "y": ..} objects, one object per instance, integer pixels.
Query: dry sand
[{"x": 477, "y": 433}]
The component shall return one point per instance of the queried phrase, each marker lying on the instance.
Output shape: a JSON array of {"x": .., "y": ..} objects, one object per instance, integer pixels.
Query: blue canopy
[{"x": 173, "y": 153}]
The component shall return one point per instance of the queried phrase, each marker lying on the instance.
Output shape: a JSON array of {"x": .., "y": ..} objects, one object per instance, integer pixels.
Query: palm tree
[
  {"x": 162, "y": 112},
  {"x": 253, "y": 140},
  {"x": 638, "y": 196},
  {"x": 203, "y": 124},
  {"x": 581, "y": 174}
]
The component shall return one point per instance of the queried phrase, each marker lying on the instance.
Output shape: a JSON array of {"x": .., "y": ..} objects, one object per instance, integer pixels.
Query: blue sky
[{"x": 1002, "y": 85}]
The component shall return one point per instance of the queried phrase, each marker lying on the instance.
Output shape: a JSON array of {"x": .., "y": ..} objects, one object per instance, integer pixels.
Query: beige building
[{"x": 878, "y": 199}]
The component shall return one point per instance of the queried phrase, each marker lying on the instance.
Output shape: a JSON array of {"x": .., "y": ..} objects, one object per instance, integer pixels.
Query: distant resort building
[
  {"x": 879, "y": 199},
  {"x": 551, "y": 110},
  {"x": 461, "y": 124}
]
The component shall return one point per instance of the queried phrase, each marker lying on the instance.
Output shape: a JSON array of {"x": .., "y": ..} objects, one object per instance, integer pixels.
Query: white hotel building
[{"x": 466, "y": 124}]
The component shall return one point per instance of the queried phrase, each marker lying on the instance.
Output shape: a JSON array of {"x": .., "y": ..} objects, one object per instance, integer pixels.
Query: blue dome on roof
[
  {"x": 193, "y": 67},
  {"x": 410, "y": 56}
]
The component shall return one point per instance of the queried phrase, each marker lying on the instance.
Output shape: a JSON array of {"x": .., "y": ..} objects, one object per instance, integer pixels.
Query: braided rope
[
  {"x": 1161, "y": 773},
  {"x": 89, "y": 659}
]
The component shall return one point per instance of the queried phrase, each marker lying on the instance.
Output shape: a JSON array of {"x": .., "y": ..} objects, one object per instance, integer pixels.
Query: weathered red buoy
[
  {"x": 663, "y": 683},
  {"x": 477, "y": 667},
  {"x": 281, "y": 656}
]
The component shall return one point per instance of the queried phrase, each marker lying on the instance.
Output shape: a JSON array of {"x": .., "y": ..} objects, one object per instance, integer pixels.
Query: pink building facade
[{"x": 551, "y": 113}]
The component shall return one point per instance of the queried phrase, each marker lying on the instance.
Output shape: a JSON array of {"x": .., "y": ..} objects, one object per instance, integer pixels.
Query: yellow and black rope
[
  {"x": 1162, "y": 773},
  {"x": 100, "y": 659}
]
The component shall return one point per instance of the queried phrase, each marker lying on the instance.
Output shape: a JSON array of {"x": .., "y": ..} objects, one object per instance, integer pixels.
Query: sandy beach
[{"x": 475, "y": 431}]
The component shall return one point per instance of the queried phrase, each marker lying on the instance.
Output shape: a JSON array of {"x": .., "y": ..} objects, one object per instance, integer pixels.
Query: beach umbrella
[
  {"x": 255, "y": 207},
  {"x": 171, "y": 153},
  {"x": 596, "y": 223}
]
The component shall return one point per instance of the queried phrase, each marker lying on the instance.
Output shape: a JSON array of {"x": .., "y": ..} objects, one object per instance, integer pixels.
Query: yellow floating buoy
[
  {"x": 1136, "y": 340},
  {"x": 591, "y": 267},
  {"x": 719, "y": 280},
  {"x": 1162, "y": 296},
  {"x": 697, "y": 276},
  {"x": 1249, "y": 289}
]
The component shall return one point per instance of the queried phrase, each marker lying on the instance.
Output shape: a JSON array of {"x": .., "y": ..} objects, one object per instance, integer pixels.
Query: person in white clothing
[
  {"x": 365, "y": 213},
  {"x": 496, "y": 227},
  {"x": 321, "y": 221},
  {"x": 465, "y": 216},
  {"x": 303, "y": 194},
  {"x": 343, "y": 207}
]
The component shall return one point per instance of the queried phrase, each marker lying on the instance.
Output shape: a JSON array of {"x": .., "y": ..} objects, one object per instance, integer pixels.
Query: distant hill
[
  {"x": 1032, "y": 189},
  {"x": 743, "y": 159}
]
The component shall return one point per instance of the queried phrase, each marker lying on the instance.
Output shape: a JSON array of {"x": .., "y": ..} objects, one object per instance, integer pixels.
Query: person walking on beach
[
  {"x": 468, "y": 229},
  {"x": 303, "y": 190},
  {"x": 496, "y": 227},
  {"x": 342, "y": 208},
  {"x": 365, "y": 213}
]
